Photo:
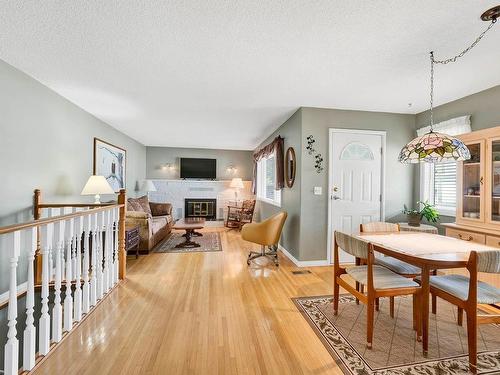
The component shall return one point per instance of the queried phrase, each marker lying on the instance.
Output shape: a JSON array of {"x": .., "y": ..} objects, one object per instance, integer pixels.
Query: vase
[{"x": 413, "y": 220}]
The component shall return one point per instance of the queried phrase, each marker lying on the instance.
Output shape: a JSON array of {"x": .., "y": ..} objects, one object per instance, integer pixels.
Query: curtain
[
  {"x": 276, "y": 147},
  {"x": 455, "y": 126}
]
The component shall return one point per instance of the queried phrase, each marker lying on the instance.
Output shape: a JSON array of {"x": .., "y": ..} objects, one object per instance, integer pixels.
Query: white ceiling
[{"x": 226, "y": 73}]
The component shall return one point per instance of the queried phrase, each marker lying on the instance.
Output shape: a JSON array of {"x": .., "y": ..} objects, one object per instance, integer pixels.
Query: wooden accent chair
[
  {"x": 395, "y": 265},
  {"x": 239, "y": 216},
  {"x": 467, "y": 292},
  {"x": 267, "y": 234},
  {"x": 380, "y": 281}
]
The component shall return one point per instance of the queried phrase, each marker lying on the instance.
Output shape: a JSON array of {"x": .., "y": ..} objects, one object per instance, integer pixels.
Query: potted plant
[{"x": 415, "y": 216}]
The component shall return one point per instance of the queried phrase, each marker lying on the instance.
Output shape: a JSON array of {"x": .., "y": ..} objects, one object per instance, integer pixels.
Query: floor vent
[{"x": 301, "y": 272}]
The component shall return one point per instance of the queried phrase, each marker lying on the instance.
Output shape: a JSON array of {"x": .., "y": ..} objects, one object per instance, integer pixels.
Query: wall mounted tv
[{"x": 205, "y": 169}]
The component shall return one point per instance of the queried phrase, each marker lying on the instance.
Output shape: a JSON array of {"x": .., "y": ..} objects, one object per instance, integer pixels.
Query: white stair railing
[{"x": 80, "y": 257}]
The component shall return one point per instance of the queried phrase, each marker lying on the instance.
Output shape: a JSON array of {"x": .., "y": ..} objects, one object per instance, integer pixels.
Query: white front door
[{"x": 356, "y": 169}]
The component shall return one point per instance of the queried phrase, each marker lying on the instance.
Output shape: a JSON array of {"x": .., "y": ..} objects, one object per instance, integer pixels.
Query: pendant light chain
[{"x": 451, "y": 60}]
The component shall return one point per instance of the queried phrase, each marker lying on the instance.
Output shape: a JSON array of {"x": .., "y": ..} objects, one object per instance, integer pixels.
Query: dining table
[{"x": 429, "y": 252}]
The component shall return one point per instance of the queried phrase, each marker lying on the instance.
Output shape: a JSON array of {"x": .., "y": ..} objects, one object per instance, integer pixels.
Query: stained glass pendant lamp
[{"x": 434, "y": 147}]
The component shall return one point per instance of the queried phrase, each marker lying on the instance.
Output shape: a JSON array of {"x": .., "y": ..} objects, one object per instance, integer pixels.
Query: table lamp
[
  {"x": 148, "y": 185},
  {"x": 236, "y": 184},
  {"x": 97, "y": 185}
]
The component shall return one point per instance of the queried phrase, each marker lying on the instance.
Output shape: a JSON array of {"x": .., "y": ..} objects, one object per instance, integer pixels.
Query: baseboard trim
[{"x": 303, "y": 263}]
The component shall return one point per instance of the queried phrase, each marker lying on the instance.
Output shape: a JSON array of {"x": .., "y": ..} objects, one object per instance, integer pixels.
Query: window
[
  {"x": 440, "y": 188},
  {"x": 266, "y": 181},
  {"x": 438, "y": 182}
]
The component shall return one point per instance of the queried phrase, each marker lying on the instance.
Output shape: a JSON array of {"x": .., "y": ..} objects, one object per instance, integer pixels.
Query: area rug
[
  {"x": 210, "y": 241},
  {"x": 395, "y": 349}
]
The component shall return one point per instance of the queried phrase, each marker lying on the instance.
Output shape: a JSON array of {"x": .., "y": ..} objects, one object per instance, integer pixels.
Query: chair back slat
[
  {"x": 352, "y": 245},
  {"x": 488, "y": 261},
  {"x": 379, "y": 226}
]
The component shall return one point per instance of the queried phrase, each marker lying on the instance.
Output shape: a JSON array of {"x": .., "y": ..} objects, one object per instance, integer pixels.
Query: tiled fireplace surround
[{"x": 176, "y": 191}]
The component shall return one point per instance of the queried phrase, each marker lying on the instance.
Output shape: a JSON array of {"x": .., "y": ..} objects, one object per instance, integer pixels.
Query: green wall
[{"x": 290, "y": 197}]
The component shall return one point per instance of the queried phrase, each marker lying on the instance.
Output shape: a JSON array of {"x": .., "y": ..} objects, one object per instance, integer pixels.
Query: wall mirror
[{"x": 290, "y": 167}]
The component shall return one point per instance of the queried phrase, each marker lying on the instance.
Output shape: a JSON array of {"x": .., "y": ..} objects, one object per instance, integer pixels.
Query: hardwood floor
[{"x": 201, "y": 313}]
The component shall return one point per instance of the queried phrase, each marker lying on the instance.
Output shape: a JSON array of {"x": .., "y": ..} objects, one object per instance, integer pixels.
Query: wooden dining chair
[
  {"x": 380, "y": 281},
  {"x": 395, "y": 265},
  {"x": 467, "y": 292}
]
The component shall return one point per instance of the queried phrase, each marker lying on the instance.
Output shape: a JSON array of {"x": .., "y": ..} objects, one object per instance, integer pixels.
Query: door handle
[{"x": 335, "y": 198}]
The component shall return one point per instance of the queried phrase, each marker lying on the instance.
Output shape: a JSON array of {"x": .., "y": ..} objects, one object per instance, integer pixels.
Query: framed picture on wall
[{"x": 110, "y": 162}]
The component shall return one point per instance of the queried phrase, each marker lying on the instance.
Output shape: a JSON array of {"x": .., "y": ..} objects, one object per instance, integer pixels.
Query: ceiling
[{"x": 225, "y": 74}]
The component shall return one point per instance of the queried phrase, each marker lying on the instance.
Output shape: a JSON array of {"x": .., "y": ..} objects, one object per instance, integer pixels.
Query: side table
[{"x": 132, "y": 240}]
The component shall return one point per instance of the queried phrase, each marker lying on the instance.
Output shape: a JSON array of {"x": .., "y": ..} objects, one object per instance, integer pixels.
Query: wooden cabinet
[{"x": 478, "y": 189}]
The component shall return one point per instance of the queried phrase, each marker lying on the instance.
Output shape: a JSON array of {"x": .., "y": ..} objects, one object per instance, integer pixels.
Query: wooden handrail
[
  {"x": 41, "y": 222},
  {"x": 76, "y": 205}
]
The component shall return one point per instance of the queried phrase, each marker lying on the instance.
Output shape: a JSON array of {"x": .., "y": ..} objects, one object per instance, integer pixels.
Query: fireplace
[{"x": 200, "y": 207}]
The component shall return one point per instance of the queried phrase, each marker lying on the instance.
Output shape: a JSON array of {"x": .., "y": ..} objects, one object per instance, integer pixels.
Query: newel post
[
  {"x": 122, "y": 255},
  {"x": 37, "y": 214}
]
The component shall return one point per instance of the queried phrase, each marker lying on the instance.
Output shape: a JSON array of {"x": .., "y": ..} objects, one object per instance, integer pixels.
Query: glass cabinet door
[
  {"x": 472, "y": 181},
  {"x": 495, "y": 181}
]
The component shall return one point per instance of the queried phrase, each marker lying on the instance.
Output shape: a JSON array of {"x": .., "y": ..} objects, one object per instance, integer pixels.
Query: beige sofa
[{"x": 154, "y": 220}]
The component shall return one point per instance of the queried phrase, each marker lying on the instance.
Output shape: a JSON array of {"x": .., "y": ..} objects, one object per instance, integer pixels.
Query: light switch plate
[{"x": 318, "y": 190}]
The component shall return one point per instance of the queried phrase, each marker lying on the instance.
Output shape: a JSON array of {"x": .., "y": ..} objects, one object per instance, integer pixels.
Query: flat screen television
[{"x": 205, "y": 169}]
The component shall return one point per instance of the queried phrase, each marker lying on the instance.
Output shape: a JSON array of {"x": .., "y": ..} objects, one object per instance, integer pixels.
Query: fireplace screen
[{"x": 205, "y": 208}]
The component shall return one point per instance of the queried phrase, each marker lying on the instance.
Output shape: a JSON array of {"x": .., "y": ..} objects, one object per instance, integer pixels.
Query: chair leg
[
  {"x": 391, "y": 307},
  {"x": 335, "y": 295},
  {"x": 377, "y": 304},
  {"x": 369, "y": 322},
  {"x": 460, "y": 316},
  {"x": 472, "y": 338},
  {"x": 434, "y": 299},
  {"x": 414, "y": 312},
  {"x": 357, "y": 290},
  {"x": 418, "y": 316}
]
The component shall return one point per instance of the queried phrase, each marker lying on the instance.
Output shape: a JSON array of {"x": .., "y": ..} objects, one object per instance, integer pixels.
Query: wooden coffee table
[{"x": 189, "y": 225}]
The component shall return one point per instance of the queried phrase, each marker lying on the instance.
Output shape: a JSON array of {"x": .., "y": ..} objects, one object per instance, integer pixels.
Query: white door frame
[{"x": 332, "y": 131}]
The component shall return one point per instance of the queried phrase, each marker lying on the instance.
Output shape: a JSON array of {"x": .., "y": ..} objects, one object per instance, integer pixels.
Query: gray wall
[
  {"x": 290, "y": 197},
  {"x": 484, "y": 108},
  {"x": 158, "y": 156},
  {"x": 46, "y": 142},
  {"x": 314, "y": 208}
]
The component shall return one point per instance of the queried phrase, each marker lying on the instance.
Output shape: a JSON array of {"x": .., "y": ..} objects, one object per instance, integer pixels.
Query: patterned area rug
[
  {"x": 210, "y": 241},
  {"x": 395, "y": 349}
]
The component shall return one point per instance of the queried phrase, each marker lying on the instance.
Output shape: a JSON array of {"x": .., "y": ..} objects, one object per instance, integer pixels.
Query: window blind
[{"x": 445, "y": 184}]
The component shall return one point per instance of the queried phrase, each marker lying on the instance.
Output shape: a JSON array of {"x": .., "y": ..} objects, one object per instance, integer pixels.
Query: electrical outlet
[{"x": 318, "y": 190}]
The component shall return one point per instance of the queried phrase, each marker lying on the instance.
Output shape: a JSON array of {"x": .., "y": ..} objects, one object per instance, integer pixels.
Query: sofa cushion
[
  {"x": 160, "y": 209},
  {"x": 140, "y": 204},
  {"x": 158, "y": 223},
  {"x": 133, "y": 205}
]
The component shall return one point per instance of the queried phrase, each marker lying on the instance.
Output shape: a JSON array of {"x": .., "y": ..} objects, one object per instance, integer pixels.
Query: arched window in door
[{"x": 356, "y": 151}]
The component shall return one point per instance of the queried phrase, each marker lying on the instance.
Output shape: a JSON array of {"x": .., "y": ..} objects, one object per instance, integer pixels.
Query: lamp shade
[
  {"x": 97, "y": 185},
  {"x": 148, "y": 185},
  {"x": 237, "y": 183},
  {"x": 434, "y": 148}
]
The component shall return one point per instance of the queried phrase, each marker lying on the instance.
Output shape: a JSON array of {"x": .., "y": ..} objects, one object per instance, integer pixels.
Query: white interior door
[{"x": 356, "y": 181}]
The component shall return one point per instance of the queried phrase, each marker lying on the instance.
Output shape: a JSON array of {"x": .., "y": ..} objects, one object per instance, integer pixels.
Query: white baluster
[
  {"x": 68, "y": 298},
  {"x": 57, "y": 309},
  {"x": 12, "y": 346},
  {"x": 115, "y": 246},
  {"x": 87, "y": 226},
  {"x": 77, "y": 245},
  {"x": 44, "y": 322},
  {"x": 104, "y": 247},
  {"x": 29, "y": 340},
  {"x": 109, "y": 247},
  {"x": 99, "y": 242},
  {"x": 93, "y": 276}
]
